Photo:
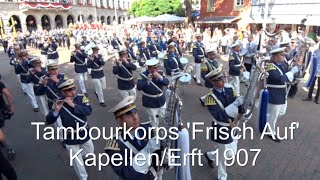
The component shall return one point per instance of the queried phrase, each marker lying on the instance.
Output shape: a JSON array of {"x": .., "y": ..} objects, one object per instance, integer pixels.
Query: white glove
[
  {"x": 294, "y": 70},
  {"x": 232, "y": 110},
  {"x": 239, "y": 101},
  {"x": 152, "y": 145},
  {"x": 143, "y": 167},
  {"x": 81, "y": 47}
]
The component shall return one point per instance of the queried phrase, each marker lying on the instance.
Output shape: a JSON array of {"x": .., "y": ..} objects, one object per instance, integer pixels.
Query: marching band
[{"x": 62, "y": 106}]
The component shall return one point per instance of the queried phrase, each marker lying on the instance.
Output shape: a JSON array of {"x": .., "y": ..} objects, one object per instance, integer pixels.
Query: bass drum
[{"x": 186, "y": 79}]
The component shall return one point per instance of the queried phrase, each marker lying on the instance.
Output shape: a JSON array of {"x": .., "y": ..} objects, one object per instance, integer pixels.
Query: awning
[
  {"x": 312, "y": 21},
  {"x": 221, "y": 19},
  {"x": 280, "y": 19}
]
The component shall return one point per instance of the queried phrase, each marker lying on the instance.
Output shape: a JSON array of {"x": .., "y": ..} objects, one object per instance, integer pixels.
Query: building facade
[
  {"x": 244, "y": 14},
  {"x": 50, "y": 14},
  {"x": 225, "y": 12}
]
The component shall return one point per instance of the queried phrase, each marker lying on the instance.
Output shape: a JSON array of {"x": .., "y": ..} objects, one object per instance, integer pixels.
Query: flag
[
  {"x": 13, "y": 23},
  {"x": 1, "y": 26}
]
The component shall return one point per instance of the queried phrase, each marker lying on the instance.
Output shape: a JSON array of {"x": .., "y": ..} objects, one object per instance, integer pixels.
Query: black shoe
[
  {"x": 316, "y": 101},
  {"x": 306, "y": 99},
  {"x": 210, "y": 162},
  {"x": 103, "y": 104},
  {"x": 36, "y": 109},
  {"x": 195, "y": 79},
  {"x": 199, "y": 84},
  {"x": 86, "y": 94},
  {"x": 25, "y": 93},
  {"x": 276, "y": 139},
  {"x": 11, "y": 154},
  {"x": 96, "y": 94},
  {"x": 202, "y": 103}
]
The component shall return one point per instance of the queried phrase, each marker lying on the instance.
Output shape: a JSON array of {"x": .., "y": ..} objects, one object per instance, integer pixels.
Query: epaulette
[
  {"x": 194, "y": 45},
  {"x": 85, "y": 99},
  {"x": 112, "y": 144},
  {"x": 209, "y": 101},
  {"x": 270, "y": 66},
  {"x": 165, "y": 57},
  {"x": 204, "y": 67}
]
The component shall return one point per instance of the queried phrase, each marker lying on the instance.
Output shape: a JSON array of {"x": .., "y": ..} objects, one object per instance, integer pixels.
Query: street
[{"x": 39, "y": 159}]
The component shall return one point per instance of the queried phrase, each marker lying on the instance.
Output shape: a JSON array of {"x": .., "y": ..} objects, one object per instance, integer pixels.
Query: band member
[
  {"x": 235, "y": 66},
  {"x": 78, "y": 56},
  {"x": 73, "y": 110},
  {"x": 151, "y": 84},
  {"x": 123, "y": 69},
  {"x": 199, "y": 55},
  {"x": 153, "y": 47},
  {"x": 115, "y": 42},
  {"x": 84, "y": 41},
  {"x": 172, "y": 63},
  {"x": 23, "y": 69},
  {"x": 43, "y": 51},
  {"x": 96, "y": 64},
  {"x": 38, "y": 73},
  {"x": 279, "y": 75},
  {"x": 174, "y": 38},
  {"x": 314, "y": 76},
  {"x": 127, "y": 116},
  {"x": 130, "y": 52},
  {"x": 143, "y": 55},
  {"x": 223, "y": 104},
  {"x": 14, "y": 61},
  {"x": 208, "y": 66},
  {"x": 53, "y": 56},
  {"x": 251, "y": 50}
]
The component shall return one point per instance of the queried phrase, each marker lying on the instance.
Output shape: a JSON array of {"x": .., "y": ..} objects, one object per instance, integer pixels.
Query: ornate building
[{"x": 49, "y": 14}]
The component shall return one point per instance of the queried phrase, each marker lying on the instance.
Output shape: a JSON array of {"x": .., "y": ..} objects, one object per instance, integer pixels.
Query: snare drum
[
  {"x": 184, "y": 61},
  {"x": 186, "y": 79},
  {"x": 161, "y": 55}
]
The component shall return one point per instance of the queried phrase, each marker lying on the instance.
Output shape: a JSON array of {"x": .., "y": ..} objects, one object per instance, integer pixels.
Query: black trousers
[
  {"x": 312, "y": 87},
  {"x": 248, "y": 67},
  {"x": 6, "y": 168}
]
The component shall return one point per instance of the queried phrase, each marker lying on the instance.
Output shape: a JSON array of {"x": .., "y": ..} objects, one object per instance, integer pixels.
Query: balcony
[{"x": 45, "y": 5}]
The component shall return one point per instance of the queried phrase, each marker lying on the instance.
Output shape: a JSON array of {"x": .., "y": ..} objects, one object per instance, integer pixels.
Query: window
[
  {"x": 124, "y": 5},
  {"x": 101, "y": 3},
  {"x": 211, "y": 5},
  {"x": 107, "y": 3},
  {"x": 239, "y": 2},
  {"x": 119, "y": 4}
]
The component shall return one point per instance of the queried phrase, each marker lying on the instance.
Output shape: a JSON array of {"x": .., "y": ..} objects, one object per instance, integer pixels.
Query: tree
[{"x": 156, "y": 7}]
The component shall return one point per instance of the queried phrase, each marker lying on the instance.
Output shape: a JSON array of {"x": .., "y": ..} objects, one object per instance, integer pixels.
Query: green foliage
[{"x": 156, "y": 7}]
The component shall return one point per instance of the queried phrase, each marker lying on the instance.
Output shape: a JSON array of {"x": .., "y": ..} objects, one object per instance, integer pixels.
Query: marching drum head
[
  {"x": 161, "y": 55},
  {"x": 184, "y": 80},
  {"x": 184, "y": 60}
]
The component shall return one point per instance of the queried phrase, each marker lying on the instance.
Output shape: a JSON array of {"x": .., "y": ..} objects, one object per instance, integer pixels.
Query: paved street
[{"x": 39, "y": 159}]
